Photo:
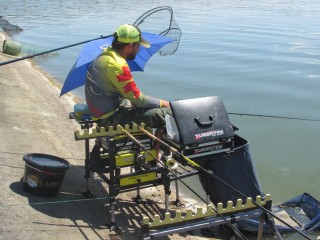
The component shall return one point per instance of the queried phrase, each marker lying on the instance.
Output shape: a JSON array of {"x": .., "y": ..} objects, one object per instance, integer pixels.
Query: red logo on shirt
[
  {"x": 131, "y": 85},
  {"x": 126, "y": 75}
]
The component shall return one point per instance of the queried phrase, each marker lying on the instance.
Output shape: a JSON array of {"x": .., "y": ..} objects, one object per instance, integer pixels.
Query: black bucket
[{"x": 44, "y": 174}]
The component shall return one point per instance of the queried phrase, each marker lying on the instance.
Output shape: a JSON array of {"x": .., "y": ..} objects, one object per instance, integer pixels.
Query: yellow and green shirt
[{"x": 109, "y": 80}]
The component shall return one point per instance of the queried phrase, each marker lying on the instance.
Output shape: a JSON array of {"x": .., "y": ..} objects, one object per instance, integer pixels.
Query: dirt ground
[{"x": 34, "y": 119}]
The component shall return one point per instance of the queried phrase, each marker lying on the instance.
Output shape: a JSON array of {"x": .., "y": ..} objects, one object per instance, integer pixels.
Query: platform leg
[
  {"x": 87, "y": 193},
  {"x": 275, "y": 230},
  {"x": 113, "y": 226},
  {"x": 166, "y": 203},
  {"x": 112, "y": 188},
  {"x": 177, "y": 202},
  {"x": 260, "y": 229},
  {"x": 112, "y": 213},
  {"x": 166, "y": 183},
  {"x": 177, "y": 192},
  {"x": 138, "y": 198},
  {"x": 138, "y": 193},
  {"x": 270, "y": 221}
]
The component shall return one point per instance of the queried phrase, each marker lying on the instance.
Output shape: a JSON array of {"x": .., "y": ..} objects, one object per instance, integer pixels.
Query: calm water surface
[{"x": 261, "y": 57}]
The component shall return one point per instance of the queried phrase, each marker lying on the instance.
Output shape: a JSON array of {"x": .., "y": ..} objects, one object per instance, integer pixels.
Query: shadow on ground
[{"x": 93, "y": 213}]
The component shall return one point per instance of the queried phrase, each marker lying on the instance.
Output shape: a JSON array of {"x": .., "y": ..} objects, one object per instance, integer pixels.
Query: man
[{"x": 109, "y": 82}]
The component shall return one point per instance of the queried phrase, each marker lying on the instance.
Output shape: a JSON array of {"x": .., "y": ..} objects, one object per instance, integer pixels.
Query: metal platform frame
[{"x": 107, "y": 140}]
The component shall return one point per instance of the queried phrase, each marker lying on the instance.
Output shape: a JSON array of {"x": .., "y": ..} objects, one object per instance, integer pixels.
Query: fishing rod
[
  {"x": 274, "y": 116},
  {"x": 211, "y": 175},
  {"x": 139, "y": 21},
  {"x": 177, "y": 177},
  {"x": 53, "y": 50}
]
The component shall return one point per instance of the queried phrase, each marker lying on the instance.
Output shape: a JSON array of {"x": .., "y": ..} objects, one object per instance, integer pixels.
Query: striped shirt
[{"x": 109, "y": 80}]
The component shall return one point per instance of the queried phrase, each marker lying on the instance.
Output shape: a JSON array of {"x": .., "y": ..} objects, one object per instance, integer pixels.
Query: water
[{"x": 261, "y": 57}]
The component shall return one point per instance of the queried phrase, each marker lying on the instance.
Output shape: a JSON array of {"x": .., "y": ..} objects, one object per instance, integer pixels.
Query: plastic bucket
[
  {"x": 11, "y": 47},
  {"x": 44, "y": 174}
]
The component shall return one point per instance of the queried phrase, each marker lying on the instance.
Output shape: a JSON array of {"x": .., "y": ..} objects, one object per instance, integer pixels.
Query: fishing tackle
[
  {"x": 107, "y": 140},
  {"x": 177, "y": 177},
  {"x": 211, "y": 175}
]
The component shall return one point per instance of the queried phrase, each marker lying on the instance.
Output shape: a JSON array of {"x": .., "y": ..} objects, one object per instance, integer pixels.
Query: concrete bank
[{"x": 35, "y": 120}]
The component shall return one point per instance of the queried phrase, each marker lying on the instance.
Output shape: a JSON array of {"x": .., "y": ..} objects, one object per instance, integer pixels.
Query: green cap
[{"x": 130, "y": 34}]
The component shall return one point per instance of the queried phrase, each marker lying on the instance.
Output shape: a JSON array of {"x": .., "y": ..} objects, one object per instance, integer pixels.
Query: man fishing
[{"x": 110, "y": 86}]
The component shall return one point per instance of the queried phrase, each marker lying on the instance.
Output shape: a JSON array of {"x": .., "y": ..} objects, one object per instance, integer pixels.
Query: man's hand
[{"x": 165, "y": 103}]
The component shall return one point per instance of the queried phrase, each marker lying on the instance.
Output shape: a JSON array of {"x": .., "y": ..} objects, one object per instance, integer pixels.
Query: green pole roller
[{"x": 11, "y": 48}]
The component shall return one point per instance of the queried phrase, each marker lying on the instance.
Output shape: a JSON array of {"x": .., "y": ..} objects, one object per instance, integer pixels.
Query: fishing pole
[
  {"x": 211, "y": 175},
  {"x": 139, "y": 21},
  {"x": 274, "y": 116},
  {"x": 53, "y": 50},
  {"x": 177, "y": 177}
]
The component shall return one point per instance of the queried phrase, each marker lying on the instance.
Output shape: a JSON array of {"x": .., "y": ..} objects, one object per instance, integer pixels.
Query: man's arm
[{"x": 124, "y": 83}]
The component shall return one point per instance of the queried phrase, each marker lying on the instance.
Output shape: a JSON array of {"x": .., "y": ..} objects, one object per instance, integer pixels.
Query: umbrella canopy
[{"x": 77, "y": 74}]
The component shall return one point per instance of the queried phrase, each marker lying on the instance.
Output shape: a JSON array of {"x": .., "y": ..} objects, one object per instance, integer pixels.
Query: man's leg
[
  {"x": 157, "y": 145},
  {"x": 155, "y": 118}
]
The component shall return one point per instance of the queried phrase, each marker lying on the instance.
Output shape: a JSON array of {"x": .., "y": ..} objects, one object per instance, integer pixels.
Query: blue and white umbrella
[{"x": 77, "y": 75}]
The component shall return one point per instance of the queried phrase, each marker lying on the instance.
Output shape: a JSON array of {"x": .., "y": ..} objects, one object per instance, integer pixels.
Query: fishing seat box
[{"x": 203, "y": 125}]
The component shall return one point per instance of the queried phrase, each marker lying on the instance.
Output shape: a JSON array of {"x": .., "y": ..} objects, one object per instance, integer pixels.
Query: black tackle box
[{"x": 203, "y": 127}]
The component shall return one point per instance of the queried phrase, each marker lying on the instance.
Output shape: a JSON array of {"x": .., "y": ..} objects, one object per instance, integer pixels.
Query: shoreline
[
  {"x": 70, "y": 97},
  {"x": 35, "y": 120}
]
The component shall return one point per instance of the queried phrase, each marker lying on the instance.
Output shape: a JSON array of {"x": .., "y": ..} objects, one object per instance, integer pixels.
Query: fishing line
[
  {"x": 53, "y": 202},
  {"x": 177, "y": 177},
  {"x": 211, "y": 175},
  {"x": 22, "y": 154},
  {"x": 274, "y": 116},
  {"x": 10, "y": 166}
]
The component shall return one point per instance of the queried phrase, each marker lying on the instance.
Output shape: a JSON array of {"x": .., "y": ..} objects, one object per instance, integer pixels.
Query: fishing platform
[{"x": 200, "y": 139}]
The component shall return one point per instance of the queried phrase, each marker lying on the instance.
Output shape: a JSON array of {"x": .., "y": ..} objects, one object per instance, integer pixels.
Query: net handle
[{"x": 152, "y": 11}]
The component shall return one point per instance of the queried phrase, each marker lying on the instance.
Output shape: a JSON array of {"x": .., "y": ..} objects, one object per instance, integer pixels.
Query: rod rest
[
  {"x": 82, "y": 116},
  {"x": 102, "y": 132},
  {"x": 189, "y": 215}
]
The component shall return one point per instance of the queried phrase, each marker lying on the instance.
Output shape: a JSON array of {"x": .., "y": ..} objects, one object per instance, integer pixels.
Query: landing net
[{"x": 160, "y": 20}]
